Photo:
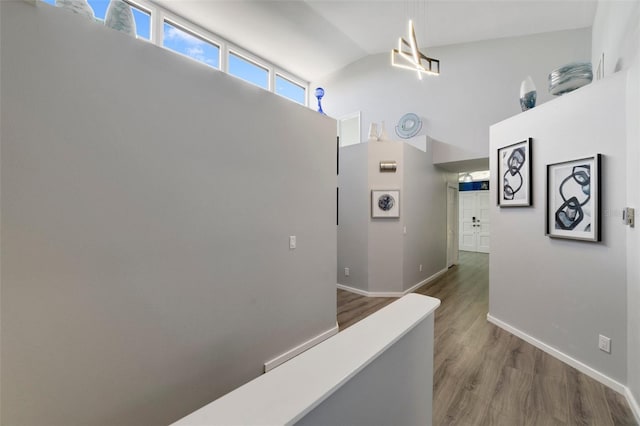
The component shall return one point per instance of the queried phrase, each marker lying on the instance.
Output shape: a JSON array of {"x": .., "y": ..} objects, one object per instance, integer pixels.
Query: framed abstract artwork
[
  {"x": 573, "y": 199},
  {"x": 385, "y": 203},
  {"x": 514, "y": 175}
]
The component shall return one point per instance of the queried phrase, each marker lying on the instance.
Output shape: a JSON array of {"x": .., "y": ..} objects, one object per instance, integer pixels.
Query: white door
[
  {"x": 482, "y": 221},
  {"x": 452, "y": 226},
  {"x": 467, "y": 221},
  {"x": 474, "y": 221}
]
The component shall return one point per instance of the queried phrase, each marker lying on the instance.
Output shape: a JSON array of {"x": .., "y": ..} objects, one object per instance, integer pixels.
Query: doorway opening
[
  {"x": 473, "y": 217},
  {"x": 452, "y": 225}
]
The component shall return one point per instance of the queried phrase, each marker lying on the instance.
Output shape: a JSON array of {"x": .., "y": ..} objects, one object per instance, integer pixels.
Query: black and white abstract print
[
  {"x": 573, "y": 198},
  {"x": 513, "y": 188},
  {"x": 514, "y": 180}
]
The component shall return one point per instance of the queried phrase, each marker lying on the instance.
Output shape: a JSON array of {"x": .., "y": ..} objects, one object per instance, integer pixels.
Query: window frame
[
  {"x": 285, "y": 76},
  {"x": 148, "y": 11},
  {"x": 195, "y": 34},
  {"x": 252, "y": 59}
]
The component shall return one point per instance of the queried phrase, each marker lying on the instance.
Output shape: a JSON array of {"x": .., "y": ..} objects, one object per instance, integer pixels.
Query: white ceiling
[{"x": 312, "y": 38}]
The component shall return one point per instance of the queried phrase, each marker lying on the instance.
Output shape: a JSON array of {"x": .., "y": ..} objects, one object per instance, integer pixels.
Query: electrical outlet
[
  {"x": 604, "y": 343},
  {"x": 346, "y": 272},
  {"x": 292, "y": 242},
  {"x": 421, "y": 267}
]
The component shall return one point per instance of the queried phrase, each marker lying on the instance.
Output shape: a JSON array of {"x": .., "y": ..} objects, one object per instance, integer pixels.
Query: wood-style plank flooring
[{"x": 484, "y": 375}]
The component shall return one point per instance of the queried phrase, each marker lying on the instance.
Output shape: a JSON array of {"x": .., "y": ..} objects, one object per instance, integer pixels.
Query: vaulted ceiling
[{"x": 312, "y": 38}]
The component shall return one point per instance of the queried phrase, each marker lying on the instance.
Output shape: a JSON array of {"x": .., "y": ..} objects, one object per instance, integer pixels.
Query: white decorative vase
[
  {"x": 81, "y": 7},
  {"x": 528, "y": 94},
  {"x": 373, "y": 132},
  {"x": 120, "y": 17},
  {"x": 384, "y": 136}
]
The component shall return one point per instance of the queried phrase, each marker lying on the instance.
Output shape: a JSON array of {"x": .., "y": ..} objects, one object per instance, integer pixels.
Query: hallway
[{"x": 483, "y": 375}]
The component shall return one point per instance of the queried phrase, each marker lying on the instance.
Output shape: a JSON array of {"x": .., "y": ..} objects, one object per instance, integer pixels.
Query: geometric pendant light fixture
[{"x": 408, "y": 56}]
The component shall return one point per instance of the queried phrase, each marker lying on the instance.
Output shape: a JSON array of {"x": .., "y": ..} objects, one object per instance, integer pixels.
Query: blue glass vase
[{"x": 319, "y": 95}]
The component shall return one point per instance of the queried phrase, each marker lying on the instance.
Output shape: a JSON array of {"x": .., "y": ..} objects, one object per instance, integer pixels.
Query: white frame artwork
[{"x": 385, "y": 203}]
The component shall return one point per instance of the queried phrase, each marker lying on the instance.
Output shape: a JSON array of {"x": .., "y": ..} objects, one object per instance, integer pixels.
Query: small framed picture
[
  {"x": 385, "y": 203},
  {"x": 514, "y": 175},
  {"x": 573, "y": 199}
]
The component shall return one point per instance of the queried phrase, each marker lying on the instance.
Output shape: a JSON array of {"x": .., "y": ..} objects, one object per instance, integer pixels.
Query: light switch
[
  {"x": 292, "y": 242},
  {"x": 604, "y": 344}
]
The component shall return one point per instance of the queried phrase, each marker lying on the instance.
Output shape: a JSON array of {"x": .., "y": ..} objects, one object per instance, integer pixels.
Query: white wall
[
  {"x": 353, "y": 212},
  {"x": 396, "y": 388},
  {"x": 615, "y": 33},
  {"x": 385, "y": 234},
  {"x": 479, "y": 86},
  {"x": 562, "y": 292},
  {"x": 381, "y": 258},
  {"x": 425, "y": 207},
  {"x": 147, "y": 202},
  {"x": 377, "y": 372},
  {"x": 633, "y": 234}
]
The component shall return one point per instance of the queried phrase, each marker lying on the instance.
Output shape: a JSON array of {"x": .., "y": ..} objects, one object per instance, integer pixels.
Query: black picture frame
[
  {"x": 573, "y": 199},
  {"x": 515, "y": 175}
]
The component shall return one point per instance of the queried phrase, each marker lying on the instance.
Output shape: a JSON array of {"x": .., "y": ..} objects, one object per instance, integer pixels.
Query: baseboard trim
[
  {"x": 367, "y": 293},
  {"x": 578, "y": 365},
  {"x": 392, "y": 293},
  {"x": 426, "y": 281},
  {"x": 286, "y": 356},
  {"x": 633, "y": 404}
]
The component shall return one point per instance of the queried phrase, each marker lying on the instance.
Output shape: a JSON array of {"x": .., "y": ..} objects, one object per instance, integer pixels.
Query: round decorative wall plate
[{"x": 408, "y": 126}]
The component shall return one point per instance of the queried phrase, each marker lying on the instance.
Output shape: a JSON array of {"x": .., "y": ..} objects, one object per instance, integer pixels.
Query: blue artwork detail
[
  {"x": 319, "y": 95},
  {"x": 528, "y": 100}
]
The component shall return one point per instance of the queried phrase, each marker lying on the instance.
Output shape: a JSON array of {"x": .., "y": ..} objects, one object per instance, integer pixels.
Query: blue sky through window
[
  {"x": 290, "y": 90},
  {"x": 143, "y": 23},
  {"x": 248, "y": 71},
  {"x": 142, "y": 18},
  {"x": 186, "y": 43}
]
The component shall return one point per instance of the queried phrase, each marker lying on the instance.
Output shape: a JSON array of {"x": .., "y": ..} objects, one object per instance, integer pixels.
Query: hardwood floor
[{"x": 484, "y": 375}]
